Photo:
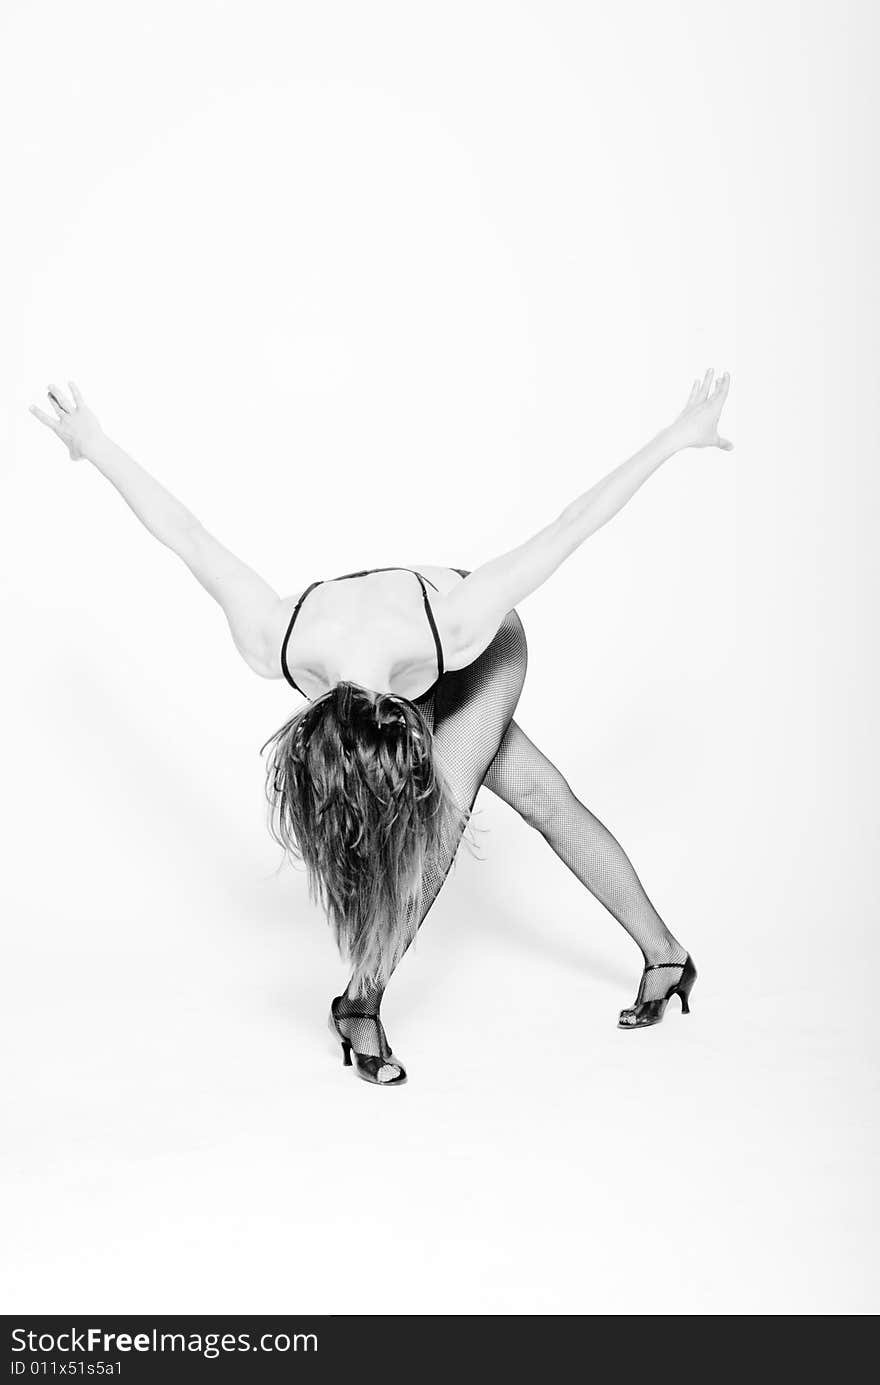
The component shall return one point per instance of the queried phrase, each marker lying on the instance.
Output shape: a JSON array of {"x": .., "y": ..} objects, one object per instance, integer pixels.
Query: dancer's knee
[{"x": 542, "y": 800}]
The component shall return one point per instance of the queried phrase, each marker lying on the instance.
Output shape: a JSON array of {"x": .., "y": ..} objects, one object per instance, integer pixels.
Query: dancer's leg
[
  {"x": 523, "y": 776},
  {"x": 472, "y": 709}
]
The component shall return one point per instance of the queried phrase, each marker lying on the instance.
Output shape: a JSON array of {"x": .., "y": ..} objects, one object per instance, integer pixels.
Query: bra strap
[
  {"x": 433, "y": 624},
  {"x": 368, "y": 571},
  {"x": 284, "y": 669}
]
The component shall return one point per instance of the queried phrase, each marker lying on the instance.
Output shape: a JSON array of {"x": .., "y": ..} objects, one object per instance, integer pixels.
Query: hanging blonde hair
[{"x": 355, "y": 794}]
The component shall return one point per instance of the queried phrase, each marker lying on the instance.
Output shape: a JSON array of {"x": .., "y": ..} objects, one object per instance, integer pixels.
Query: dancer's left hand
[{"x": 74, "y": 423}]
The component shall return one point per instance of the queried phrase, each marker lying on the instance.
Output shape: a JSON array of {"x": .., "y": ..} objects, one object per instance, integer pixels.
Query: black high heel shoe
[
  {"x": 366, "y": 1065},
  {"x": 647, "y": 1012}
]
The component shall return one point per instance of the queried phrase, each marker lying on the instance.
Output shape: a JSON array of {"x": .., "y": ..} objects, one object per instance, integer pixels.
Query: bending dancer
[{"x": 411, "y": 677}]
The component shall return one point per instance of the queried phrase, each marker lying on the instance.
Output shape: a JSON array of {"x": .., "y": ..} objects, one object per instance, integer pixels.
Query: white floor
[{"x": 182, "y": 1136}]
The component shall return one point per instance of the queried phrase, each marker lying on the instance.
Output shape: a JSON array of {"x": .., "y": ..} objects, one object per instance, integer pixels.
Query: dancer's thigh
[{"x": 473, "y": 707}]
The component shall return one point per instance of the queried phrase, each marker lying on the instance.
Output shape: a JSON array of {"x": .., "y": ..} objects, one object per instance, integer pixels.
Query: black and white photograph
[{"x": 439, "y": 596}]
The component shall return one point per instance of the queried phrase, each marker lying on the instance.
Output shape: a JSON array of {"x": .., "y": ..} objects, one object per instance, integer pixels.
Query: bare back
[{"x": 372, "y": 629}]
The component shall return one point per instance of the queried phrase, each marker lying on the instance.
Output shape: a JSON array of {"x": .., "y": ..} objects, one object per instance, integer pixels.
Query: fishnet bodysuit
[{"x": 476, "y": 741}]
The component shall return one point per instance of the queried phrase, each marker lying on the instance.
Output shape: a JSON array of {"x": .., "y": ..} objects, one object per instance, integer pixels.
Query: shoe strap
[
  {"x": 661, "y": 966},
  {"x": 352, "y": 1014},
  {"x": 362, "y": 1015}
]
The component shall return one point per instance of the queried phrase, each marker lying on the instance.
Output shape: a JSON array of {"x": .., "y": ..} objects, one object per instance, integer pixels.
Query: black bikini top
[{"x": 346, "y": 576}]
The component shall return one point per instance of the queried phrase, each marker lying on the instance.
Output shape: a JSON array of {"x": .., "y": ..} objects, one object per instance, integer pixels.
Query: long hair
[{"x": 355, "y": 794}]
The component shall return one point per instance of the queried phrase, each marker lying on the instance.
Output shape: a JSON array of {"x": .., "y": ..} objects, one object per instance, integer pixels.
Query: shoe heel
[
  {"x": 686, "y": 985},
  {"x": 346, "y": 1053}
]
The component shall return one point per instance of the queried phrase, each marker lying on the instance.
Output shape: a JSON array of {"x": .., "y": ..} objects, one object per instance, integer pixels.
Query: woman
[{"x": 412, "y": 677}]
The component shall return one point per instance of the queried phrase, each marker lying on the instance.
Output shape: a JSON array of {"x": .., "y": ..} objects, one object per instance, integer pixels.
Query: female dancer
[{"x": 410, "y": 709}]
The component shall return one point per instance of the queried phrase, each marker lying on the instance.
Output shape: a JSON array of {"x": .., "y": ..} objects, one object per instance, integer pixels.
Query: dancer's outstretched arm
[
  {"x": 472, "y": 612},
  {"x": 253, "y": 610}
]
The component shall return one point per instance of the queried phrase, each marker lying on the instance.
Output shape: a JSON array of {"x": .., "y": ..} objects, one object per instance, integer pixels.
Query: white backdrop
[{"x": 392, "y": 283}]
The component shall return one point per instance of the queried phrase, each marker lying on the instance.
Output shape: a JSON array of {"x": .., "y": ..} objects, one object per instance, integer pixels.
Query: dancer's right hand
[
  {"x": 697, "y": 424},
  {"x": 74, "y": 424}
]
